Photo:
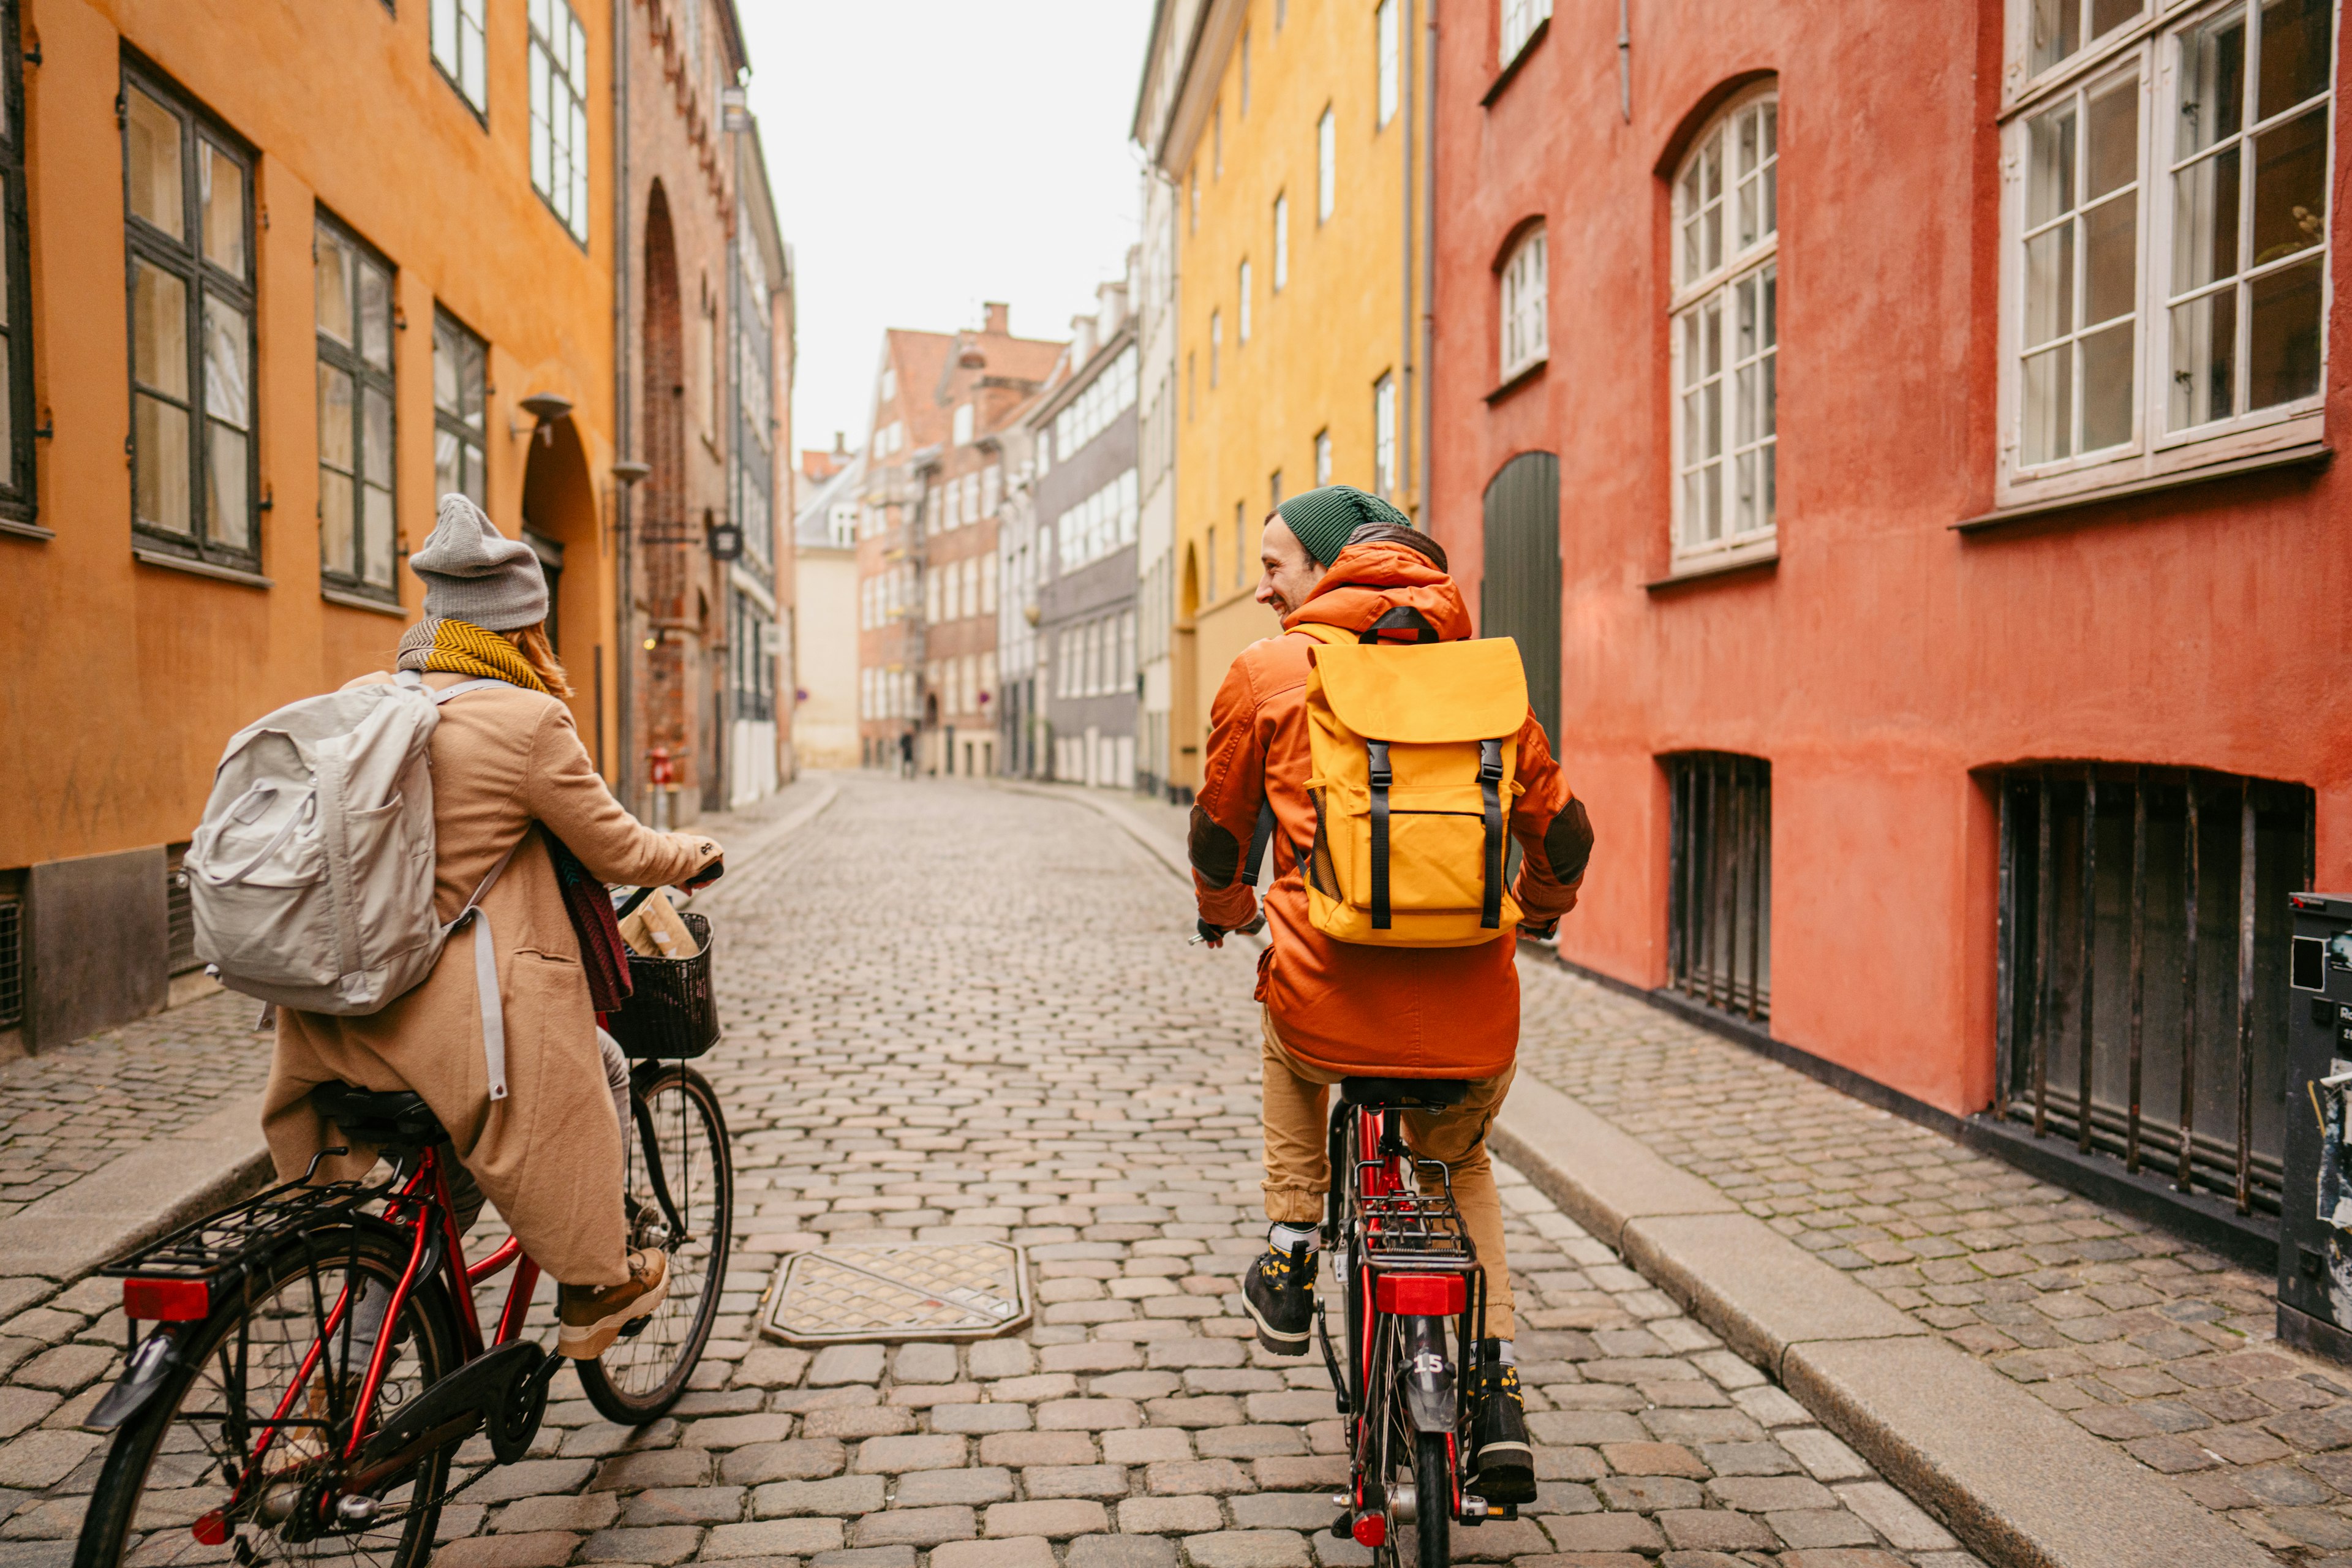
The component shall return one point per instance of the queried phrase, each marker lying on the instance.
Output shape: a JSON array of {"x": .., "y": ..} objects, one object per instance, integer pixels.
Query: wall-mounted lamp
[
  {"x": 628, "y": 470},
  {"x": 546, "y": 408}
]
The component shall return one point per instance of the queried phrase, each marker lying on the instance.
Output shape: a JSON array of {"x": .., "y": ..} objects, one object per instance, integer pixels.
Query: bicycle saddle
[
  {"x": 387, "y": 1119},
  {"x": 1408, "y": 1091}
]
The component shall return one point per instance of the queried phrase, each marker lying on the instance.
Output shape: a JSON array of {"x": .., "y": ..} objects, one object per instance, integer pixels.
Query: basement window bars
[
  {"x": 1719, "y": 882},
  {"x": 2143, "y": 911}
]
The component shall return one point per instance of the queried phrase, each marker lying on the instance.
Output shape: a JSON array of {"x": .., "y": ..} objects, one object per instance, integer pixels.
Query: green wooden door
[{"x": 1519, "y": 595}]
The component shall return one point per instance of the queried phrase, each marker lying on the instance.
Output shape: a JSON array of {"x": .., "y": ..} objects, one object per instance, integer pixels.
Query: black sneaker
[
  {"x": 1279, "y": 1290},
  {"x": 1502, "y": 1464}
]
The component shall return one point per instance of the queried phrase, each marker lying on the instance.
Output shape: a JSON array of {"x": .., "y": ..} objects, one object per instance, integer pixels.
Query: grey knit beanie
[{"x": 471, "y": 571}]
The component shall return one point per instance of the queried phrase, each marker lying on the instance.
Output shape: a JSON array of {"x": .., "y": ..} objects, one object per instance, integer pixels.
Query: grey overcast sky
[{"x": 932, "y": 154}]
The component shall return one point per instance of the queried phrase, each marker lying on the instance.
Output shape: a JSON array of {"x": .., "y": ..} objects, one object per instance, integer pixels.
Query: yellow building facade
[{"x": 1295, "y": 153}]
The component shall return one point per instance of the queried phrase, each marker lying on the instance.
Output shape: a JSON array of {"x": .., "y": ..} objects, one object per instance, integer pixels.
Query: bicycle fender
[
  {"x": 150, "y": 1364},
  {"x": 1429, "y": 1383}
]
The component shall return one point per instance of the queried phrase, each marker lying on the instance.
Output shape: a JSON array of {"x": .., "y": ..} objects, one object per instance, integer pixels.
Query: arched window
[
  {"x": 1526, "y": 335},
  {"x": 1726, "y": 332}
]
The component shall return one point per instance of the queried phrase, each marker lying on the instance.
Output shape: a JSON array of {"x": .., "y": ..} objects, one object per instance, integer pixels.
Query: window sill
[
  {"x": 1503, "y": 78},
  {"x": 2308, "y": 454},
  {"x": 1517, "y": 380},
  {"x": 9, "y": 525},
  {"x": 1764, "y": 558},
  {"x": 352, "y": 601},
  {"x": 146, "y": 557}
]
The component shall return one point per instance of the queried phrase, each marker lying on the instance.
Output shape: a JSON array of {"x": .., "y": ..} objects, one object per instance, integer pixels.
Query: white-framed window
[
  {"x": 1216, "y": 344},
  {"x": 1384, "y": 75},
  {"x": 1326, "y": 166},
  {"x": 2165, "y": 224},
  {"x": 1725, "y": 334},
  {"x": 1526, "y": 339},
  {"x": 1322, "y": 459},
  {"x": 1241, "y": 314},
  {"x": 1520, "y": 20},
  {"x": 559, "y": 112},
  {"x": 1281, "y": 243},
  {"x": 962, "y": 431},
  {"x": 457, "y": 49},
  {"x": 1384, "y": 437}
]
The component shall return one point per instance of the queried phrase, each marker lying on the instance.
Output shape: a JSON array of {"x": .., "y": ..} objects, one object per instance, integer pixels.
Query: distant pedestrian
[{"x": 907, "y": 754}]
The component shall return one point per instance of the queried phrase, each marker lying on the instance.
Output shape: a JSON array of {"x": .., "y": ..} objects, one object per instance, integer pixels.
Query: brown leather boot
[{"x": 594, "y": 1315}]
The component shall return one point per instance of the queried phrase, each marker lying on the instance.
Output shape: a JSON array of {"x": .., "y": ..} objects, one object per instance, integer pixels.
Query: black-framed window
[
  {"x": 457, "y": 50},
  {"x": 356, "y": 425},
  {"x": 461, "y": 388},
  {"x": 16, "y": 498},
  {"x": 187, "y": 203},
  {"x": 559, "y": 112}
]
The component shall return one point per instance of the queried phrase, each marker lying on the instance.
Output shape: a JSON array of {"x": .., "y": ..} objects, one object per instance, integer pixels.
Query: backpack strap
[
  {"x": 1377, "y": 753},
  {"x": 486, "y": 974},
  {"x": 1490, "y": 778},
  {"x": 446, "y": 692}
]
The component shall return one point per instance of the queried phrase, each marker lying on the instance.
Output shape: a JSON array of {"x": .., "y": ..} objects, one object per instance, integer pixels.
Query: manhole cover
[{"x": 918, "y": 1291}]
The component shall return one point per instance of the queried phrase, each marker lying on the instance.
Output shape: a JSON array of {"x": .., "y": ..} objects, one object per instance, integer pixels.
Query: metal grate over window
[
  {"x": 12, "y": 962},
  {"x": 180, "y": 925},
  {"x": 1719, "y": 894},
  {"x": 2142, "y": 969}
]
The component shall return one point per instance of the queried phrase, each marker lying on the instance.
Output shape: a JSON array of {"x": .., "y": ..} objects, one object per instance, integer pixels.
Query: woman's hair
[
  {"x": 540, "y": 654},
  {"x": 1410, "y": 538}
]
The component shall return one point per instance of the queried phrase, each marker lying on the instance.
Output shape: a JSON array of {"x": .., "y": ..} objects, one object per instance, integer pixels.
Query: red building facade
[{"x": 1898, "y": 433}]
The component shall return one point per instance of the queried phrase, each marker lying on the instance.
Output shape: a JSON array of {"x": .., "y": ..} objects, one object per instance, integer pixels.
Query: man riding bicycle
[{"x": 1340, "y": 558}]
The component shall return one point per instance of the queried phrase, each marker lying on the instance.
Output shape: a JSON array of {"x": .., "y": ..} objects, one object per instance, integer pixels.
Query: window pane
[
  {"x": 2291, "y": 187},
  {"x": 335, "y": 537},
  {"x": 376, "y": 437},
  {"x": 2212, "y": 82},
  {"x": 229, "y": 382},
  {"x": 334, "y": 287},
  {"x": 2283, "y": 352},
  {"x": 7, "y": 404},
  {"x": 2050, "y": 406},
  {"x": 2107, "y": 387},
  {"x": 160, "y": 432},
  {"x": 2204, "y": 360},
  {"x": 2106, "y": 16},
  {"x": 220, "y": 185},
  {"x": 2057, "y": 31},
  {"x": 471, "y": 380},
  {"x": 2049, "y": 285},
  {"x": 2112, "y": 131},
  {"x": 2110, "y": 260},
  {"x": 2205, "y": 221},
  {"x": 335, "y": 434},
  {"x": 1711, "y": 335},
  {"x": 476, "y": 487},
  {"x": 159, "y": 330},
  {"x": 376, "y": 315},
  {"x": 1772, "y": 305},
  {"x": 445, "y": 366},
  {"x": 228, "y": 513},
  {"x": 155, "y": 157},
  {"x": 2049, "y": 165},
  {"x": 448, "y": 463},
  {"x": 2294, "y": 54},
  {"x": 376, "y": 536}
]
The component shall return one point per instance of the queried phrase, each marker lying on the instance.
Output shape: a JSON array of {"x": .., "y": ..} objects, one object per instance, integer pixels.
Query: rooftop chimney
[
  {"x": 998, "y": 314},
  {"x": 840, "y": 446}
]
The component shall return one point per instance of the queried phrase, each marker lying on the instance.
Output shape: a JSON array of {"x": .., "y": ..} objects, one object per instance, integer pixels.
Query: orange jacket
[{"x": 1394, "y": 1012}]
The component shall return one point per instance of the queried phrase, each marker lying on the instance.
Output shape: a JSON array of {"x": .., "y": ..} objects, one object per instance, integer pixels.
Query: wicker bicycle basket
[{"x": 670, "y": 1013}]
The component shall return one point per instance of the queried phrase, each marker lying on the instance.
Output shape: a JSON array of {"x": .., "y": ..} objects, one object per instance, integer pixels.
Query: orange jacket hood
[{"x": 1369, "y": 579}]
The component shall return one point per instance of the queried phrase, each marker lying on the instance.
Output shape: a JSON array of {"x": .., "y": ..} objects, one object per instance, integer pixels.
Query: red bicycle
[
  {"x": 314, "y": 1363},
  {"x": 1406, "y": 1270}
]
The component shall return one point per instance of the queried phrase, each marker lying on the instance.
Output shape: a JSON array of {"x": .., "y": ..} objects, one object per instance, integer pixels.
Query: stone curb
[{"x": 2022, "y": 1485}]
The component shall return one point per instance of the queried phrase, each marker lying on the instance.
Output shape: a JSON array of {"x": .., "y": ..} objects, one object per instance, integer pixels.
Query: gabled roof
[{"x": 812, "y": 527}]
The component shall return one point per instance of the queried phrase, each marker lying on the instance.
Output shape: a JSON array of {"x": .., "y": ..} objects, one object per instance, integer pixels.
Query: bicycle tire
[
  {"x": 1433, "y": 1491},
  {"x": 108, "y": 1533},
  {"x": 642, "y": 1375}
]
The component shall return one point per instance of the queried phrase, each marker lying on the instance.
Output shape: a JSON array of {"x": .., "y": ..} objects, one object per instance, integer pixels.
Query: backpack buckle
[
  {"x": 1377, "y": 752},
  {"x": 1490, "y": 762}
]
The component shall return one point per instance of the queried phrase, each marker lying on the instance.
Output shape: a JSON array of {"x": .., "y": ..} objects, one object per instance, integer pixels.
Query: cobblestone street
[{"x": 959, "y": 1012}]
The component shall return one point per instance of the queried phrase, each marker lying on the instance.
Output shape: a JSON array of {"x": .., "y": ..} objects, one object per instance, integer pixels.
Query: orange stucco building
[{"x": 278, "y": 274}]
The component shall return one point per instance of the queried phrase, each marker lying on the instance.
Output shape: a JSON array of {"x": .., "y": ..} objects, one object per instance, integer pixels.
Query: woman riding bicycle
[{"x": 509, "y": 774}]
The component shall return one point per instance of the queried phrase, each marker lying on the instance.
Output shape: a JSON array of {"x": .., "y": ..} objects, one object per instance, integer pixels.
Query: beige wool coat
[{"x": 505, "y": 760}]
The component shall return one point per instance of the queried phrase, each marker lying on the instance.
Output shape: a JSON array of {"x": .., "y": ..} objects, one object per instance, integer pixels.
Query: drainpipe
[
  {"x": 623, "y": 640},
  {"x": 1624, "y": 64},
  {"x": 1404, "y": 295},
  {"x": 1428, "y": 273}
]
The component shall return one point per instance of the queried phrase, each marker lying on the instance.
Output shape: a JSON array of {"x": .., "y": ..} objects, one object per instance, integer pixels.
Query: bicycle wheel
[
  {"x": 1433, "y": 1491},
  {"x": 681, "y": 1152},
  {"x": 173, "y": 1472}
]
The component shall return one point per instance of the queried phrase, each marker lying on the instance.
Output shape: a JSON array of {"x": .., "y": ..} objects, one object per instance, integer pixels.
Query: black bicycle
[{"x": 314, "y": 1357}]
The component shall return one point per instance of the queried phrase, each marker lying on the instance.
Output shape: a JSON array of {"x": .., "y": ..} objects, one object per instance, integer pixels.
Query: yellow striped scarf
[{"x": 461, "y": 648}]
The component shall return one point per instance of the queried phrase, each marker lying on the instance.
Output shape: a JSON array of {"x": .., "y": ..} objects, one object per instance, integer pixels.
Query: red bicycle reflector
[
  {"x": 1422, "y": 1295},
  {"x": 212, "y": 1529},
  {"x": 1371, "y": 1530},
  {"x": 167, "y": 1301}
]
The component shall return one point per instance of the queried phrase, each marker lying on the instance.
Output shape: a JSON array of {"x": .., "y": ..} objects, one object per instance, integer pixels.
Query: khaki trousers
[{"x": 1298, "y": 1158}]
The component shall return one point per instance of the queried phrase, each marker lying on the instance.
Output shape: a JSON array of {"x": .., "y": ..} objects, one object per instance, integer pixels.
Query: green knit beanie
[{"x": 1323, "y": 519}]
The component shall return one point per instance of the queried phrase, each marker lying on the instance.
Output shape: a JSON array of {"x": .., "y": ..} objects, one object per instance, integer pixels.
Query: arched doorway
[
  {"x": 668, "y": 694},
  {"x": 1518, "y": 597}
]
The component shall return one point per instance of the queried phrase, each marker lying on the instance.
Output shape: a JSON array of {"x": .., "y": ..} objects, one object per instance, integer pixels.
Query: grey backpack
[{"x": 311, "y": 877}]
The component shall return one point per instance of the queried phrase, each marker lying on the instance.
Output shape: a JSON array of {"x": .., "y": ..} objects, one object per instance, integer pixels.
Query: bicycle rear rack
[
  {"x": 1417, "y": 1230},
  {"x": 213, "y": 1247}
]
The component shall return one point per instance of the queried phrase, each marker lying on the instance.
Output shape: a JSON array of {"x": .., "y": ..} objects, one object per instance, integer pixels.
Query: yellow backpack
[{"x": 1413, "y": 756}]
